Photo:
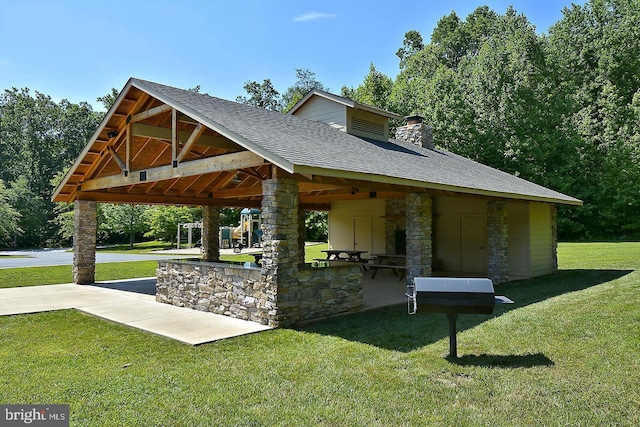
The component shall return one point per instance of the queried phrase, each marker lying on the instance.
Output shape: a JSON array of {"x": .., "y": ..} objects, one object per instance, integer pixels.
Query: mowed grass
[
  {"x": 52, "y": 275},
  {"x": 565, "y": 354}
]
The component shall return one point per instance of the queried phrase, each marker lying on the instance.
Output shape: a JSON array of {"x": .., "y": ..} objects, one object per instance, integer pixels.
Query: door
[
  {"x": 362, "y": 234},
  {"x": 473, "y": 243}
]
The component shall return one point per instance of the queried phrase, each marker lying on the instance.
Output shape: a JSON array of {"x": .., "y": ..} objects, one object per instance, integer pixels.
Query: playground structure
[{"x": 247, "y": 234}]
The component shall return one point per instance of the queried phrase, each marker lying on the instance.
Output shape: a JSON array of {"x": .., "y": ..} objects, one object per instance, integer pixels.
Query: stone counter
[{"x": 243, "y": 292}]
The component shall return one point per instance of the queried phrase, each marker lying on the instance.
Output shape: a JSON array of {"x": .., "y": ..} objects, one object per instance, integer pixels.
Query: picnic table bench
[{"x": 396, "y": 263}]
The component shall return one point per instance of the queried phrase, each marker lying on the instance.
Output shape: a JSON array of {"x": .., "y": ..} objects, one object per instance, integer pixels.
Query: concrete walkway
[{"x": 137, "y": 310}]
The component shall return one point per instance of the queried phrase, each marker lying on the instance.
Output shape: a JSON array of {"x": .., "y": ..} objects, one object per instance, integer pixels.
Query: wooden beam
[
  {"x": 174, "y": 136},
  {"x": 149, "y": 113},
  {"x": 238, "y": 192},
  {"x": 164, "y": 134},
  {"x": 192, "y": 140},
  {"x": 119, "y": 161},
  {"x": 148, "y": 199},
  {"x": 224, "y": 162},
  {"x": 128, "y": 143},
  {"x": 315, "y": 206}
]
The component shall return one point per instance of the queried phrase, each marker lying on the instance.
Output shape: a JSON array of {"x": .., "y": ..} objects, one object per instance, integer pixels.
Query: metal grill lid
[{"x": 453, "y": 284}]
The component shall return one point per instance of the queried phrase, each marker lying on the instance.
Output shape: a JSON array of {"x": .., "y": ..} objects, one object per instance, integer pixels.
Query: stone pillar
[
  {"x": 280, "y": 253},
  {"x": 210, "y": 233},
  {"x": 302, "y": 235},
  {"x": 419, "y": 255},
  {"x": 554, "y": 238},
  {"x": 498, "y": 233},
  {"x": 84, "y": 242},
  {"x": 394, "y": 221}
]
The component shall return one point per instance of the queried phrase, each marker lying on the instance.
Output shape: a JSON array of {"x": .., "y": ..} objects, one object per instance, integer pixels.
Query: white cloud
[{"x": 314, "y": 16}]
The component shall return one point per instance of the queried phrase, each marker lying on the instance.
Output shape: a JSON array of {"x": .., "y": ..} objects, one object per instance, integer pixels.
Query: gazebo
[{"x": 163, "y": 145}]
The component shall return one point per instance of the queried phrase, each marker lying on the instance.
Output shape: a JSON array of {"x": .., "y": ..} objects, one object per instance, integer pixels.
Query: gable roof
[
  {"x": 312, "y": 148},
  {"x": 343, "y": 101}
]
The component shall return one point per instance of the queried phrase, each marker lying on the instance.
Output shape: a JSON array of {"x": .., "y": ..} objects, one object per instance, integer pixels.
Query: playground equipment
[
  {"x": 189, "y": 227},
  {"x": 246, "y": 234}
]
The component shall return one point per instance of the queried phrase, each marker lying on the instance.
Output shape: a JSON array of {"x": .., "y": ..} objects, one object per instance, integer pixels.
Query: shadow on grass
[
  {"x": 393, "y": 329},
  {"x": 503, "y": 361}
]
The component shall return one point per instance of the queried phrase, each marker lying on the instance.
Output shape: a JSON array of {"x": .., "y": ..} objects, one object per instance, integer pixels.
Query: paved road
[{"x": 63, "y": 257}]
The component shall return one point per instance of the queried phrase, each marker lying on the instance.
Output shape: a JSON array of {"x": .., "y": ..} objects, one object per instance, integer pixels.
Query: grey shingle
[{"x": 302, "y": 142}]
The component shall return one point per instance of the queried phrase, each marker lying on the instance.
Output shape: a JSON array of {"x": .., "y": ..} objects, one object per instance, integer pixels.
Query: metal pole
[{"x": 453, "y": 345}]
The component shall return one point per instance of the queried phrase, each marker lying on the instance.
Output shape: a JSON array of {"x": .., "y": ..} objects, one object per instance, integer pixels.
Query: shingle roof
[
  {"x": 301, "y": 145},
  {"x": 344, "y": 101}
]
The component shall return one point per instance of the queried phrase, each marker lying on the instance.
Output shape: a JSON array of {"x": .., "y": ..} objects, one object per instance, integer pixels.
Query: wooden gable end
[{"x": 146, "y": 151}]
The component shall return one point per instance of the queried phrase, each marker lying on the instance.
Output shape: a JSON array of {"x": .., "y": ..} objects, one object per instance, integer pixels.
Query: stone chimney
[{"x": 416, "y": 132}]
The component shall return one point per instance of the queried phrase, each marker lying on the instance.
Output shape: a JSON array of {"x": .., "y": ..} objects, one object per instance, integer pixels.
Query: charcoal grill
[{"x": 453, "y": 296}]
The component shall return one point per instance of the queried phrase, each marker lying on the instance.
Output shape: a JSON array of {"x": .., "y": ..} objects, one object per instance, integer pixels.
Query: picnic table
[
  {"x": 395, "y": 262},
  {"x": 351, "y": 255}
]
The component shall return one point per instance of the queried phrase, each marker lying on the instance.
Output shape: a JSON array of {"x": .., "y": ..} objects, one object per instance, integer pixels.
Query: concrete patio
[
  {"x": 138, "y": 310},
  {"x": 132, "y": 303}
]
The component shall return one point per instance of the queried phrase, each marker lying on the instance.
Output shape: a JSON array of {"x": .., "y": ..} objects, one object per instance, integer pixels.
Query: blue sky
[{"x": 79, "y": 50}]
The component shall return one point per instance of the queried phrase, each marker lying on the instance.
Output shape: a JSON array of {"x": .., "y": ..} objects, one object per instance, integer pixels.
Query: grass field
[
  {"x": 52, "y": 275},
  {"x": 565, "y": 354}
]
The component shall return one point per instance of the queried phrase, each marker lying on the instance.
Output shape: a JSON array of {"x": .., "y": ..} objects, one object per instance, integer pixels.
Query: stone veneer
[
  {"x": 210, "y": 230},
  {"x": 394, "y": 220},
  {"x": 283, "y": 291},
  {"x": 243, "y": 293},
  {"x": 416, "y": 133},
  {"x": 84, "y": 242},
  {"x": 498, "y": 233},
  {"x": 419, "y": 245}
]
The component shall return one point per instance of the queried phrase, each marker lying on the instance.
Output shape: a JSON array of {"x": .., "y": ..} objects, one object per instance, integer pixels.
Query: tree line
[{"x": 560, "y": 109}]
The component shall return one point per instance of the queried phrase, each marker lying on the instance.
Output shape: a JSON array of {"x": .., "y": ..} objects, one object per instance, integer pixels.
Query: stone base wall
[
  {"x": 328, "y": 291},
  {"x": 240, "y": 292},
  {"x": 217, "y": 288}
]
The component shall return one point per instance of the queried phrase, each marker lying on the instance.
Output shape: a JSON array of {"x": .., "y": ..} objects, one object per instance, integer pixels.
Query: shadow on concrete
[
  {"x": 392, "y": 328},
  {"x": 141, "y": 286}
]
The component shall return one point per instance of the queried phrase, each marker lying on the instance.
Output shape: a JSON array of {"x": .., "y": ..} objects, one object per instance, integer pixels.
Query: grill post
[{"x": 453, "y": 345}]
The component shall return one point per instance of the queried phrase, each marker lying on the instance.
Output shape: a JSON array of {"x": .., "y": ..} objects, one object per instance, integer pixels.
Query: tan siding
[
  {"x": 448, "y": 241},
  {"x": 381, "y": 121},
  {"x": 326, "y": 111},
  {"x": 341, "y": 223},
  {"x": 540, "y": 233},
  {"x": 518, "y": 246}
]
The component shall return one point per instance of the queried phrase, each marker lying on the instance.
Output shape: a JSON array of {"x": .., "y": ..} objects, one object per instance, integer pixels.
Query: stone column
[
  {"x": 394, "y": 220},
  {"x": 498, "y": 233},
  {"x": 210, "y": 233},
  {"x": 419, "y": 256},
  {"x": 554, "y": 238},
  {"x": 280, "y": 253},
  {"x": 302, "y": 235},
  {"x": 84, "y": 242}
]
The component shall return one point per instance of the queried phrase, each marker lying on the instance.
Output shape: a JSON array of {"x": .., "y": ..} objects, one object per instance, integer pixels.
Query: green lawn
[
  {"x": 33, "y": 276},
  {"x": 565, "y": 354}
]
